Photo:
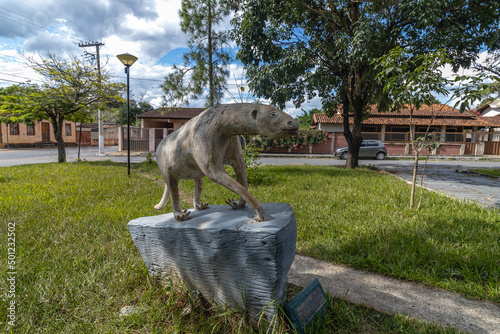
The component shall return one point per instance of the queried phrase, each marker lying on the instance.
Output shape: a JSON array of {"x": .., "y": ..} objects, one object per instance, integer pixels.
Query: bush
[{"x": 303, "y": 138}]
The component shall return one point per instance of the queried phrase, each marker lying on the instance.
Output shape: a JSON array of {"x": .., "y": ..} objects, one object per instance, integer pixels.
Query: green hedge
[{"x": 303, "y": 138}]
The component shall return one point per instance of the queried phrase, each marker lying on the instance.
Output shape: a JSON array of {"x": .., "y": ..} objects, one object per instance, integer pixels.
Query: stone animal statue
[{"x": 207, "y": 142}]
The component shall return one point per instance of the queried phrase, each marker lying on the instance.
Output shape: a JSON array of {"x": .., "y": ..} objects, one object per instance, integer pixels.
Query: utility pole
[{"x": 99, "y": 111}]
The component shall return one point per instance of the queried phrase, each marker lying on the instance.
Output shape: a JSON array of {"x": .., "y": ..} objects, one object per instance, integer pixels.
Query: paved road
[
  {"x": 24, "y": 156},
  {"x": 440, "y": 175}
]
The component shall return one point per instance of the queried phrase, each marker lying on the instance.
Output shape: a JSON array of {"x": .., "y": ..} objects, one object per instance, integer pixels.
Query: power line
[
  {"x": 15, "y": 20},
  {"x": 160, "y": 80},
  {"x": 39, "y": 24},
  {"x": 18, "y": 82},
  {"x": 30, "y": 23},
  {"x": 12, "y": 69},
  {"x": 18, "y": 76},
  {"x": 145, "y": 79}
]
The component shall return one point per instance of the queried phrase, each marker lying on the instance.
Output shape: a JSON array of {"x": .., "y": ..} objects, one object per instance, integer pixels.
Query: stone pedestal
[{"x": 223, "y": 254}]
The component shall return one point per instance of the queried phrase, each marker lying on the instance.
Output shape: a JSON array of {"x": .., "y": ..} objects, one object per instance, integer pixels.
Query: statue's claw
[
  {"x": 182, "y": 216},
  {"x": 261, "y": 215},
  {"x": 201, "y": 206},
  {"x": 235, "y": 204}
]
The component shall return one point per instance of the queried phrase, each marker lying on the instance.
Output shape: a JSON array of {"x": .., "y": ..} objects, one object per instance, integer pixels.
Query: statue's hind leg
[
  {"x": 198, "y": 204},
  {"x": 173, "y": 188}
]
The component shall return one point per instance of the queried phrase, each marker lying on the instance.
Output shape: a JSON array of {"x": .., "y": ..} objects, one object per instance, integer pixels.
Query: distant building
[
  {"x": 168, "y": 118},
  {"x": 459, "y": 132},
  {"x": 155, "y": 125},
  {"x": 39, "y": 134}
]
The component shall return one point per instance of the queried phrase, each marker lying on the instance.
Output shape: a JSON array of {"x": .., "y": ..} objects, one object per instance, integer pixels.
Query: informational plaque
[{"x": 307, "y": 306}]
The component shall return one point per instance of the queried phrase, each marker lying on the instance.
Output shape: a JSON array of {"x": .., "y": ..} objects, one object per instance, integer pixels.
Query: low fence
[
  {"x": 90, "y": 137},
  {"x": 492, "y": 148},
  {"x": 451, "y": 143},
  {"x": 141, "y": 139},
  {"x": 397, "y": 143}
]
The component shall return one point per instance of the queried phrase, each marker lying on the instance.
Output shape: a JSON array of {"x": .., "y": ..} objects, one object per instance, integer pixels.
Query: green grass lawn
[
  {"x": 361, "y": 218},
  {"x": 76, "y": 264},
  {"x": 492, "y": 171}
]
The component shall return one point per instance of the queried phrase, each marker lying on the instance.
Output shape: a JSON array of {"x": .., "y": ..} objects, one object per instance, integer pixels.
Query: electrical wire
[{"x": 18, "y": 76}]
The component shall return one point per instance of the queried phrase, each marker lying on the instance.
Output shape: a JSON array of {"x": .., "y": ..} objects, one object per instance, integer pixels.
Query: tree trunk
[
  {"x": 354, "y": 93},
  {"x": 353, "y": 138},
  {"x": 357, "y": 138},
  {"x": 210, "y": 60},
  {"x": 414, "y": 180},
  {"x": 57, "y": 125}
]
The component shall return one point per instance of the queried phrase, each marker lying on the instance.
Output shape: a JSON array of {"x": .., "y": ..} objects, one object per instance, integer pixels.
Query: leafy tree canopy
[
  {"x": 295, "y": 50},
  {"x": 135, "y": 110},
  {"x": 490, "y": 68}
]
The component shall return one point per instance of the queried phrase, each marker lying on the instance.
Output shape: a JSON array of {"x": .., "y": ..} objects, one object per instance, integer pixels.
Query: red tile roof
[
  {"x": 174, "y": 113},
  {"x": 445, "y": 115}
]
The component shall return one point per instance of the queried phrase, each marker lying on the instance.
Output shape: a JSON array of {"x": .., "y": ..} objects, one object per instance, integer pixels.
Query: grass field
[
  {"x": 76, "y": 265},
  {"x": 361, "y": 218},
  {"x": 493, "y": 171}
]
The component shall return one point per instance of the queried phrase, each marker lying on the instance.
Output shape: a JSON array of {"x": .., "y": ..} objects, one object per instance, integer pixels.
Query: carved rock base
[{"x": 223, "y": 254}]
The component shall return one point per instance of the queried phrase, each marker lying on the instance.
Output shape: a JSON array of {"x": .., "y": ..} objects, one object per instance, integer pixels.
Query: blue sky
[{"x": 148, "y": 29}]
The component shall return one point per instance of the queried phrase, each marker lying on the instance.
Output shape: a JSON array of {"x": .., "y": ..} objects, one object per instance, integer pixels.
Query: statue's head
[{"x": 273, "y": 122}]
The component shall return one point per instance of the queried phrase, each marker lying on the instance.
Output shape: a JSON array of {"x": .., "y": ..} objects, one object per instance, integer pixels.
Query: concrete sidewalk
[
  {"x": 459, "y": 183},
  {"x": 393, "y": 296}
]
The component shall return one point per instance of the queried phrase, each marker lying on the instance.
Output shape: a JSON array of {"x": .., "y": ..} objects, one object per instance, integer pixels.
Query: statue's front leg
[
  {"x": 261, "y": 215},
  {"x": 235, "y": 204}
]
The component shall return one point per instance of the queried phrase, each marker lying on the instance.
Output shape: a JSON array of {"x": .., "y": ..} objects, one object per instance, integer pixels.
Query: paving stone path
[{"x": 458, "y": 183}]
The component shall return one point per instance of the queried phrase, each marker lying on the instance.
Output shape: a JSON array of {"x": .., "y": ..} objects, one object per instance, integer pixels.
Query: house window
[
  {"x": 30, "y": 130},
  {"x": 399, "y": 135},
  {"x": 14, "y": 129},
  {"x": 366, "y": 128},
  {"x": 422, "y": 129},
  {"x": 370, "y": 132},
  {"x": 68, "y": 130}
]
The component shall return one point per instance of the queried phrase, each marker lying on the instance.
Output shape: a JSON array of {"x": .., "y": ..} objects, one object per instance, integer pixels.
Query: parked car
[{"x": 369, "y": 149}]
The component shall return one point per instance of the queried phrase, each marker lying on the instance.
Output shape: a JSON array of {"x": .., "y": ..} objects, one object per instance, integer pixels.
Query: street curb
[{"x": 466, "y": 171}]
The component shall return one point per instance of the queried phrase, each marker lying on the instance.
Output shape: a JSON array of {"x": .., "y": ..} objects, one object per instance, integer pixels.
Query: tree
[
  {"x": 413, "y": 82},
  {"x": 207, "y": 61},
  {"x": 490, "y": 68},
  {"x": 71, "y": 91},
  {"x": 305, "y": 120},
  {"x": 135, "y": 109},
  {"x": 307, "y": 48}
]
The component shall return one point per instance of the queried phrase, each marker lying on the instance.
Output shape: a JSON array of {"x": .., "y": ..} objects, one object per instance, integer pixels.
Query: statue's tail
[{"x": 163, "y": 200}]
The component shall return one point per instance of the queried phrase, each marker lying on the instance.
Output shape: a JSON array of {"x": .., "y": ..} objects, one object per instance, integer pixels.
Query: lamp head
[{"x": 127, "y": 59}]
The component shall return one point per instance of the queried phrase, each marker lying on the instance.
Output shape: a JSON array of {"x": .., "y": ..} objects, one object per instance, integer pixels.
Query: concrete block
[{"x": 223, "y": 254}]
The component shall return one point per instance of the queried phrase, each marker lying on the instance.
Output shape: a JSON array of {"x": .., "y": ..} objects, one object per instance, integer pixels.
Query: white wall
[{"x": 332, "y": 127}]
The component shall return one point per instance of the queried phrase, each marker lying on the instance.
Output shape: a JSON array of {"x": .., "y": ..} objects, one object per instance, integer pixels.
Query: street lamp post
[{"x": 127, "y": 60}]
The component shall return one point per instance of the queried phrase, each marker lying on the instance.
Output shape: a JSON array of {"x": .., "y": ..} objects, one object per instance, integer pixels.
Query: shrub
[{"x": 303, "y": 138}]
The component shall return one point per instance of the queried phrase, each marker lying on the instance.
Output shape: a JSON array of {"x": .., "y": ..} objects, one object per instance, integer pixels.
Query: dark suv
[{"x": 369, "y": 149}]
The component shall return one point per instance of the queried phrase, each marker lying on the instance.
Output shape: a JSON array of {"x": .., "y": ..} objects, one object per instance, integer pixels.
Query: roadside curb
[{"x": 466, "y": 171}]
